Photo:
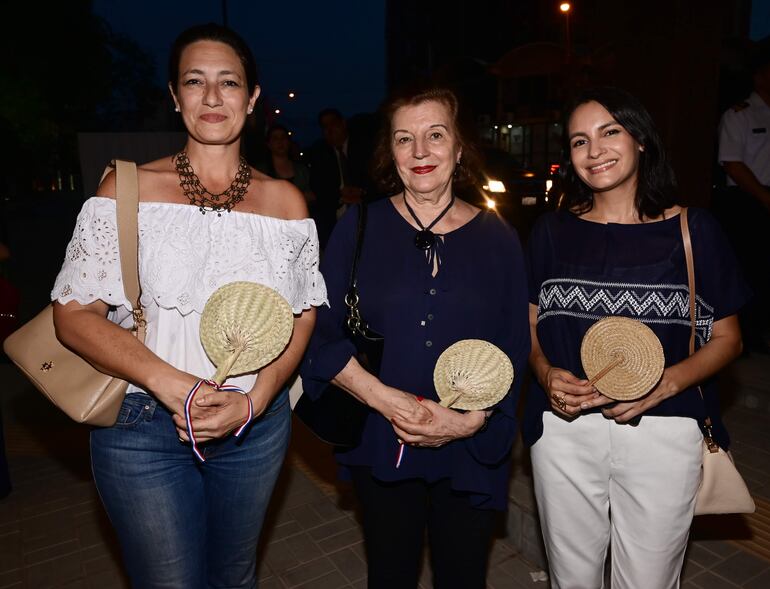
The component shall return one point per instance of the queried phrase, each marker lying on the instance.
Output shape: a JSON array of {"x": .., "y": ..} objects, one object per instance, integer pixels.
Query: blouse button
[
  {"x": 428, "y": 344},
  {"x": 432, "y": 291},
  {"x": 430, "y": 316}
]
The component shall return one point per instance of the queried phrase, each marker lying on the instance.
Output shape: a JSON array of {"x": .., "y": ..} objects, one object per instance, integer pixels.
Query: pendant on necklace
[{"x": 424, "y": 239}]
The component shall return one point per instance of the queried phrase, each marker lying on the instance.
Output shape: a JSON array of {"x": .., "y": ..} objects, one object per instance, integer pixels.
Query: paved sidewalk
[{"x": 53, "y": 532}]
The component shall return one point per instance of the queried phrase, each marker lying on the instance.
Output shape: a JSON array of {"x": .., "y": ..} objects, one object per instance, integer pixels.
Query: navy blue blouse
[
  {"x": 581, "y": 271},
  {"x": 479, "y": 292}
]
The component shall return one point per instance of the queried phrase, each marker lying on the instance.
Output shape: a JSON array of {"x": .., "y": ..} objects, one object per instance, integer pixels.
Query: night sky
[
  {"x": 331, "y": 53},
  {"x": 760, "y": 19}
]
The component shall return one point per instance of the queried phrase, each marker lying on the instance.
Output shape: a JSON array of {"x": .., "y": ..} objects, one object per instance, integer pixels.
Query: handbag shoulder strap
[
  {"x": 362, "y": 210},
  {"x": 690, "y": 273},
  {"x": 691, "y": 287},
  {"x": 127, "y": 207}
]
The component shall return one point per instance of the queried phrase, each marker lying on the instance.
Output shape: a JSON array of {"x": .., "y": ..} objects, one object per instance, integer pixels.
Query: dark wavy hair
[
  {"x": 213, "y": 32},
  {"x": 383, "y": 169},
  {"x": 655, "y": 178}
]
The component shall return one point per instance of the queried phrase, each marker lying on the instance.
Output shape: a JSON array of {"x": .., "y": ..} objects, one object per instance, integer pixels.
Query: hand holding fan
[
  {"x": 470, "y": 374},
  {"x": 244, "y": 326}
]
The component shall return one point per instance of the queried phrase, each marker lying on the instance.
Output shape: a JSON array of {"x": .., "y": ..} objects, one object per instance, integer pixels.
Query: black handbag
[{"x": 337, "y": 417}]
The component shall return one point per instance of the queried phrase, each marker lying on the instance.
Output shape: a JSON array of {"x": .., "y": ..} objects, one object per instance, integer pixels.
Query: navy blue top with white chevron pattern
[{"x": 581, "y": 271}]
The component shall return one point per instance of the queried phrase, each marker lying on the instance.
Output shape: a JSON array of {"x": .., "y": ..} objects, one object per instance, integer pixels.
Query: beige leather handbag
[
  {"x": 69, "y": 381},
  {"x": 722, "y": 489}
]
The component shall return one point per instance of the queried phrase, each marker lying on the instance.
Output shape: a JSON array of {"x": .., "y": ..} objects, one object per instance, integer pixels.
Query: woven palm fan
[
  {"x": 472, "y": 374},
  {"x": 244, "y": 326},
  {"x": 622, "y": 358}
]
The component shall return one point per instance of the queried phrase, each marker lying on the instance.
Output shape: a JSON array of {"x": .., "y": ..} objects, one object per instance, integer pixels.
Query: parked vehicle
[{"x": 518, "y": 194}]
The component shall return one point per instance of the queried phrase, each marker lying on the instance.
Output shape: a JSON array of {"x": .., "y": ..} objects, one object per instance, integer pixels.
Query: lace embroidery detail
[{"x": 184, "y": 256}]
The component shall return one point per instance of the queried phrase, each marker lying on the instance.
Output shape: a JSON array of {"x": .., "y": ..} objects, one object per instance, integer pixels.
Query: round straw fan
[
  {"x": 244, "y": 326},
  {"x": 472, "y": 374},
  {"x": 622, "y": 358}
]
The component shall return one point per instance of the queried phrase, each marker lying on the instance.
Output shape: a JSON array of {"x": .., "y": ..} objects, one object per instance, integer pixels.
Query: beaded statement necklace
[{"x": 201, "y": 197}]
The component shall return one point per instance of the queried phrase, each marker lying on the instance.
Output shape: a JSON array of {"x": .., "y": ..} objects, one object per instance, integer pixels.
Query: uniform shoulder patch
[{"x": 740, "y": 106}]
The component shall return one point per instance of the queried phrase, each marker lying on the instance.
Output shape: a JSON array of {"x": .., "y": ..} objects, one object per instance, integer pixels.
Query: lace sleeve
[
  {"x": 308, "y": 288},
  {"x": 91, "y": 269}
]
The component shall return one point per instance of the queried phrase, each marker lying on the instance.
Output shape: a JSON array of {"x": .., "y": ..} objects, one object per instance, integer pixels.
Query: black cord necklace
[{"x": 425, "y": 238}]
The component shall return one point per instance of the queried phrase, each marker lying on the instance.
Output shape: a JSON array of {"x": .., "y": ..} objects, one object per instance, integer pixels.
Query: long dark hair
[
  {"x": 212, "y": 32},
  {"x": 383, "y": 169},
  {"x": 655, "y": 179}
]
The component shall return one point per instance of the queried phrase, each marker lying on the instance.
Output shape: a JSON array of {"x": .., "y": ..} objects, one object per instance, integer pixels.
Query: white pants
[{"x": 600, "y": 484}]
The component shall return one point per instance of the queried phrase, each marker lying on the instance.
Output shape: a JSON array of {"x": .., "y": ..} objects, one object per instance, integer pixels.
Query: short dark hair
[
  {"x": 384, "y": 170},
  {"x": 220, "y": 34},
  {"x": 330, "y": 111},
  {"x": 656, "y": 182}
]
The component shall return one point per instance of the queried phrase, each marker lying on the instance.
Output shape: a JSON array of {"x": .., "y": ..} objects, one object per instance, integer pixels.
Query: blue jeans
[{"x": 182, "y": 524}]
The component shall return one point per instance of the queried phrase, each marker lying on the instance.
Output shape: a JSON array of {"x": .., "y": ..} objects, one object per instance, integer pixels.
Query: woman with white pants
[{"x": 606, "y": 479}]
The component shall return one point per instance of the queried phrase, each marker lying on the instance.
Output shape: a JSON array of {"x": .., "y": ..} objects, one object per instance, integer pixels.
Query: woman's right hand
[
  {"x": 389, "y": 401},
  {"x": 566, "y": 392}
]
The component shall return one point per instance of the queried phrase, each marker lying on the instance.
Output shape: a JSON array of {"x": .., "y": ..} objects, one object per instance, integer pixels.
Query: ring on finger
[{"x": 561, "y": 403}]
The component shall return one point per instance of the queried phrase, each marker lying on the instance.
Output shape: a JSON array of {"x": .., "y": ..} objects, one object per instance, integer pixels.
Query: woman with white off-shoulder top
[{"x": 206, "y": 218}]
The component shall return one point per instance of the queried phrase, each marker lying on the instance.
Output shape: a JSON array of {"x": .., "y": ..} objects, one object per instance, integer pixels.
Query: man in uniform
[{"x": 744, "y": 207}]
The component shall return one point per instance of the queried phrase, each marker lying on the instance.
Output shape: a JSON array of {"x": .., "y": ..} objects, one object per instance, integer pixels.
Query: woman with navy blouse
[
  {"x": 434, "y": 270},
  {"x": 602, "y": 481}
]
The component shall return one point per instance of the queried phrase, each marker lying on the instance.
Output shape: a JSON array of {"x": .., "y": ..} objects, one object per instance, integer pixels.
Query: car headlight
[{"x": 495, "y": 186}]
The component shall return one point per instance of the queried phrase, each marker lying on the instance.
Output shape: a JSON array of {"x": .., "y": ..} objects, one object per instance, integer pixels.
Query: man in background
[
  {"x": 744, "y": 206},
  {"x": 338, "y": 172}
]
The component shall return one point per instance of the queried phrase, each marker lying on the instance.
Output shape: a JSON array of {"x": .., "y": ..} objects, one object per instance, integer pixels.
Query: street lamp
[
  {"x": 277, "y": 111},
  {"x": 291, "y": 95},
  {"x": 566, "y": 8}
]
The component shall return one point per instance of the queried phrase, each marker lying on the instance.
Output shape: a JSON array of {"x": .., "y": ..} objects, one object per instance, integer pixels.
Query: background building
[{"x": 518, "y": 63}]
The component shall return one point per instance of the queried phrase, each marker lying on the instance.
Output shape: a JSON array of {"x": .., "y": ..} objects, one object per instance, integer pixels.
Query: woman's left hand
[
  {"x": 445, "y": 426},
  {"x": 215, "y": 414},
  {"x": 622, "y": 412}
]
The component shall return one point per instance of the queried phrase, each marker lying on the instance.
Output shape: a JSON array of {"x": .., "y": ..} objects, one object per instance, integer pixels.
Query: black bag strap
[
  {"x": 355, "y": 324},
  {"x": 352, "y": 285}
]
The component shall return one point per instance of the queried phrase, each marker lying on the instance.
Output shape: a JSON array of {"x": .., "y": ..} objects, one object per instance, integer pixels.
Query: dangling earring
[
  {"x": 176, "y": 109},
  {"x": 457, "y": 168}
]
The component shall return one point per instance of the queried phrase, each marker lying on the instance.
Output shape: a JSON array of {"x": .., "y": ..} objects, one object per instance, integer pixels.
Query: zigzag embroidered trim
[{"x": 650, "y": 303}]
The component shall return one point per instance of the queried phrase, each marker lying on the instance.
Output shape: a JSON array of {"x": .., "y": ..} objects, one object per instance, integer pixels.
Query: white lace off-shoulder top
[{"x": 184, "y": 257}]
